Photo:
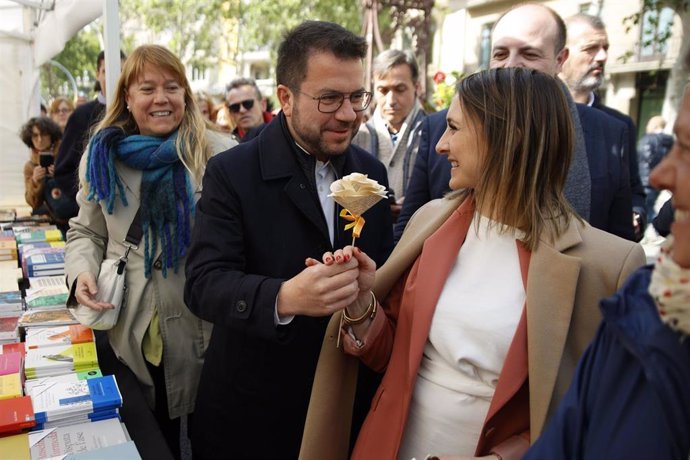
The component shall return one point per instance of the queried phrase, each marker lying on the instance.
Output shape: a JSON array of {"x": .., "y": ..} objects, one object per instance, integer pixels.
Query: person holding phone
[{"x": 42, "y": 135}]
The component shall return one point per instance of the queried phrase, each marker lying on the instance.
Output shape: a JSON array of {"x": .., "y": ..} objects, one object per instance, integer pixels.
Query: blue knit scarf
[{"x": 166, "y": 195}]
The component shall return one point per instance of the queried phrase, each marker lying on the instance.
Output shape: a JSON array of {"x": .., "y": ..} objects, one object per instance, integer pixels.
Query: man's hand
[
  {"x": 86, "y": 292},
  {"x": 319, "y": 289},
  {"x": 365, "y": 280}
]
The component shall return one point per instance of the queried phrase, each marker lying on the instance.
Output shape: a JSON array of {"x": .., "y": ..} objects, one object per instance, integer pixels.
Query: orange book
[
  {"x": 57, "y": 335},
  {"x": 16, "y": 414}
]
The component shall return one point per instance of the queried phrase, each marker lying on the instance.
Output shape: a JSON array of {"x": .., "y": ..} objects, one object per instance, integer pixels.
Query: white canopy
[{"x": 31, "y": 33}]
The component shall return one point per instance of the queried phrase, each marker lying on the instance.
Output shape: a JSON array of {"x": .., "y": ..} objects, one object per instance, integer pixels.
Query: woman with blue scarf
[{"x": 147, "y": 156}]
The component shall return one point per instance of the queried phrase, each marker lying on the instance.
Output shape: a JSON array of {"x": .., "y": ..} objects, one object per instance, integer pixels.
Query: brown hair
[
  {"x": 45, "y": 125},
  {"x": 524, "y": 117},
  {"x": 314, "y": 37},
  {"x": 191, "y": 143},
  {"x": 55, "y": 105}
]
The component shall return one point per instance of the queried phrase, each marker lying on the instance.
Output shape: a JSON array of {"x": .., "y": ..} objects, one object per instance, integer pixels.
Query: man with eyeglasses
[
  {"x": 393, "y": 133},
  {"x": 247, "y": 108},
  {"x": 265, "y": 209}
]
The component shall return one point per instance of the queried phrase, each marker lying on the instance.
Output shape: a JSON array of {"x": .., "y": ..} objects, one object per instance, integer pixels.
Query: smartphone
[{"x": 45, "y": 159}]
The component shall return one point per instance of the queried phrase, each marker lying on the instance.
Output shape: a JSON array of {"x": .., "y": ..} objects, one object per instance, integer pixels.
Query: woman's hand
[
  {"x": 367, "y": 267},
  {"x": 365, "y": 279},
  {"x": 39, "y": 174},
  {"x": 51, "y": 170},
  {"x": 86, "y": 292}
]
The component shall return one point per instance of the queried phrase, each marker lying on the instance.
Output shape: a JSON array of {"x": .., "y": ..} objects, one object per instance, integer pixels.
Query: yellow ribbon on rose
[{"x": 357, "y": 222}]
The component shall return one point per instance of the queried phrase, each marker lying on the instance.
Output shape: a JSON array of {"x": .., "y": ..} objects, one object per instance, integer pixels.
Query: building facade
[{"x": 637, "y": 72}]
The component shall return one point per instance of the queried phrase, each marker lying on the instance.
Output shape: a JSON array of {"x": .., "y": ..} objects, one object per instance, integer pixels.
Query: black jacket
[
  {"x": 74, "y": 140},
  {"x": 257, "y": 220}
]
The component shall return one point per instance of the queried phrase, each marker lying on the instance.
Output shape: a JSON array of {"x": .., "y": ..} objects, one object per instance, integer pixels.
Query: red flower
[{"x": 439, "y": 77}]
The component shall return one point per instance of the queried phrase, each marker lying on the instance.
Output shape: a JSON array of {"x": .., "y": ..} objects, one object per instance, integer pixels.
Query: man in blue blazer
[
  {"x": 606, "y": 140},
  {"x": 264, "y": 209},
  {"x": 583, "y": 72}
]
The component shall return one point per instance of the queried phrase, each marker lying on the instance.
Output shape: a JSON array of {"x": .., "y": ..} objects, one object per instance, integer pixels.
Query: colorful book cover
[
  {"x": 45, "y": 263},
  {"x": 16, "y": 414},
  {"x": 26, "y": 247},
  {"x": 60, "y": 359},
  {"x": 76, "y": 438},
  {"x": 57, "y": 335},
  {"x": 47, "y": 291},
  {"x": 29, "y": 385},
  {"x": 66, "y": 399},
  {"x": 10, "y": 363},
  {"x": 52, "y": 317},
  {"x": 10, "y": 386},
  {"x": 36, "y": 236}
]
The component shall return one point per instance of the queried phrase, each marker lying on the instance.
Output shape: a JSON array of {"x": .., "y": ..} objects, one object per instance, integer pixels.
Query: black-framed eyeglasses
[
  {"x": 247, "y": 104},
  {"x": 331, "y": 102}
]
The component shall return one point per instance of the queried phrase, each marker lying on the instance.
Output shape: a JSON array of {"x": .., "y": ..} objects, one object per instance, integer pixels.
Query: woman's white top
[{"x": 473, "y": 325}]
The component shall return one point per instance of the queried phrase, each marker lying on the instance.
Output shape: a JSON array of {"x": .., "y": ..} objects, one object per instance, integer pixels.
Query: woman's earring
[{"x": 128, "y": 109}]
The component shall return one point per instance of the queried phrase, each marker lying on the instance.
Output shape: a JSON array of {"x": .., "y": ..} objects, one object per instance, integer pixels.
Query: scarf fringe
[{"x": 167, "y": 201}]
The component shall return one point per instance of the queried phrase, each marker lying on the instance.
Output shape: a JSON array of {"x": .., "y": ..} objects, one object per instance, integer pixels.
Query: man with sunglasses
[
  {"x": 265, "y": 209},
  {"x": 247, "y": 108}
]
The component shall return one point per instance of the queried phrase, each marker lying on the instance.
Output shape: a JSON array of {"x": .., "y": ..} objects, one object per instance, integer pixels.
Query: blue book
[
  {"x": 46, "y": 260},
  {"x": 63, "y": 400}
]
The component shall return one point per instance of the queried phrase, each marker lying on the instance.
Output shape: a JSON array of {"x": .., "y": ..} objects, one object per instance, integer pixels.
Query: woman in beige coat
[
  {"x": 489, "y": 297},
  {"x": 147, "y": 155}
]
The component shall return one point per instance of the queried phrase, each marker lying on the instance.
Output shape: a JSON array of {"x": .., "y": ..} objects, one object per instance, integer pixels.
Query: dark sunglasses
[{"x": 248, "y": 104}]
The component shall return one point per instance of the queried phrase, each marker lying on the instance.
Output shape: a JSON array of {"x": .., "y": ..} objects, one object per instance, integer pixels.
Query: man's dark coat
[{"x": 257, "y": 220}]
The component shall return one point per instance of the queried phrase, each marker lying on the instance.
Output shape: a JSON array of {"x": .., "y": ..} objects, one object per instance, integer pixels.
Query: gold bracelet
[{"x": 368, "y": 314}]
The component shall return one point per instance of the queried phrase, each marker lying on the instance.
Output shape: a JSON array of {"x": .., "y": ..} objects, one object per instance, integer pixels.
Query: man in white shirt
[{"x": 392, "y": 134}]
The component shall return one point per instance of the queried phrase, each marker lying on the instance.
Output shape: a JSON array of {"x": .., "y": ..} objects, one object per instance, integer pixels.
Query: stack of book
[
  {"x": 67, "y": 401},
  {"x": 47, "y": 292},
  {"x": 8, "y": 245},
  {"x": 43, "y": 262},
  {"x": 11, "y": 375},
  {"x": 96, "y": 438},
  {"x": 16, "y": 415},
  {"x": 60, "y": 359},
  {"x": 10, "y": 275},
  {"x": 37, "y": 337},
  {"x": 48, "y": 318},
  {"x": 37, "y": 234},
  {"x": 9, "y": 329},
  {"x": 11, "y": 306}
]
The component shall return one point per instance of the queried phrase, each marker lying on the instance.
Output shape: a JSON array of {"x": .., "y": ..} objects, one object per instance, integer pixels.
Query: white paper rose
[{"x": 356, "y": 193}]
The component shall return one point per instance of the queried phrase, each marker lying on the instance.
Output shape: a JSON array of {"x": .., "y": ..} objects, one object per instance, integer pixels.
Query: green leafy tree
[
  {"x": 192, "y": 29},
  {"x": 264, "y": 22},
  {"x": 79, "y": 55}
]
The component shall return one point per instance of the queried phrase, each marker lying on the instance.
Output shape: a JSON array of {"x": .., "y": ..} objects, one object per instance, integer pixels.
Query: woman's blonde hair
[
  {"x": 525, "y": 120},
  {"x": 55, "y": 104},
  {"x": 191, "y": 143}
]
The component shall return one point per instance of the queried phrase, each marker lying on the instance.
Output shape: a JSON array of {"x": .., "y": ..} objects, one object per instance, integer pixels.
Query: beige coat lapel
[
  {"x": 551, "y": 287},
  {"x": 327, "y": 426}
]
